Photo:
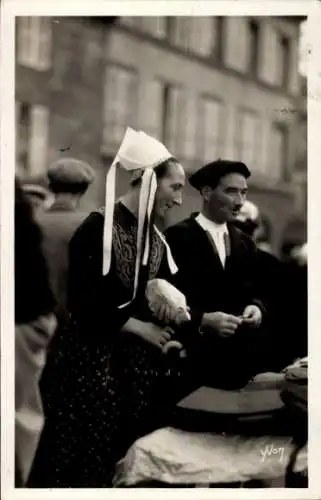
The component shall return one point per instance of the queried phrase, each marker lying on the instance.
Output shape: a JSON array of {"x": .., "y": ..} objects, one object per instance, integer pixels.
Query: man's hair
[{"x": 161, "y": 171}]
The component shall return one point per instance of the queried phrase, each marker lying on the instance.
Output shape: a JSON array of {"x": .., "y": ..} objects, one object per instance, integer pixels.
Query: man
[
  {"x": 216, "y": 274},
  {"x": 295, "y": 287},
  {"x": 69, "y": 180}
]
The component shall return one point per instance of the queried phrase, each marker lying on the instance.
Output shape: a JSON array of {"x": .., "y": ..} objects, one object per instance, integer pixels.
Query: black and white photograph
[{"x": 160, "y": 251}]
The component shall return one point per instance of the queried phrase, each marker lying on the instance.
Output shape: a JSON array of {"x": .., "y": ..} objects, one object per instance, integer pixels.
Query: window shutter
[
  {"x": 277, "y": 158},
  {"x": 23, "y": 40},
  {"x": 182, "y": 32},
  {"x": 153, "y": 103},
  {"x": 45, "y": 44},
  {"x": 249, "y": 128},
  {"x": 172, "y": 125},
  {"x": 202, "y": 33},
  {"x": 34, "y": 42},
  {"x": 189, "y": 126},
  {"x": 39, "y": 140},
  {"x": 211, "y": 140},
  {"x": 119, "y": 103},
  {"x": 155, "y": 26}
]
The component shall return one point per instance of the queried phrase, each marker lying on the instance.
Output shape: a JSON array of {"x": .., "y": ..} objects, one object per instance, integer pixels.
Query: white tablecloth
[{"x": 178, "y": 457}]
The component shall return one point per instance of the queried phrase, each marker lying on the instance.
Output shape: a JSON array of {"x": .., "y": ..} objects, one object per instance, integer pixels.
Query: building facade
[{"x": 208, "y": 87}]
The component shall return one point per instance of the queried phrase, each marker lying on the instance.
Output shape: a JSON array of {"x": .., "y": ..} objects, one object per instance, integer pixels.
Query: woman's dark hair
[
  {"x": 161, "y": 171},
  {"x": 33, "y": 296}
]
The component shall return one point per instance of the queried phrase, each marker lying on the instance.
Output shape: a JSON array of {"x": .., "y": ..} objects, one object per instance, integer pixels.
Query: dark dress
[{"x": 102, "y": 388}]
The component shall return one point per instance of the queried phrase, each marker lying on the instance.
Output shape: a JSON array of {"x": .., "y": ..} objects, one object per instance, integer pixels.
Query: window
[
  {"x": 277, "y": 168},
  {"x": 34, "y": 42},
  {"x": 153, "y": 25},
  {"x": 236, "y": 44},
  {"x": 180, "y": 31},
  {"x": 121, "y": 88},
  {"x": 248, "y": 138},
  {"x": 254, "y": 47},
  {"x": 277, "y": 65},
  {"x": 32, "y": 130},
  {"x": 193, "y": 34},
  {"x": 210, "y": 123},
  {"x": 201, "y": 36},
  {"x": 152, "y": 122},
  {"x": 180, "y": 124}
]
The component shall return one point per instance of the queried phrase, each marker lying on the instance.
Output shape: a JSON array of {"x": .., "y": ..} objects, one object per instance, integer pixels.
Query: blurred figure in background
[
  {"x": 268, "y": 275},
  {"x": 262, "y": 235},
  {"x": 295, "y": 269},
  {"x": 34, "y": 326},
  {"x": 285, "y": 281},
  {"x": 69, "y": 180},
  {"x": 38, "y": 196}
]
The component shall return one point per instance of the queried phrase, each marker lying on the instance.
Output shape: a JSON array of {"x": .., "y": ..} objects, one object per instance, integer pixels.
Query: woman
[
  {"x": 105, "y": 379},
  {"x": 34, "y": 326}
]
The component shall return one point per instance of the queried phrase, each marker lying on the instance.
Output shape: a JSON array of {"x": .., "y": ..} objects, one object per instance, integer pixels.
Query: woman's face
[{"x": 169, "y": 189}]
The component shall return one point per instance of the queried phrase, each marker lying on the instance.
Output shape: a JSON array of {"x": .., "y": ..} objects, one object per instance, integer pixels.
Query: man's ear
[{"x": 206, "y": 193}]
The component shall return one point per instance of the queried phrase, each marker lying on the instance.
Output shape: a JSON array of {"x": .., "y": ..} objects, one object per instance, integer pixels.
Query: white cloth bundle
[
  {"x": 297, "y": 371},
  {"x": 166, "y": 302}
]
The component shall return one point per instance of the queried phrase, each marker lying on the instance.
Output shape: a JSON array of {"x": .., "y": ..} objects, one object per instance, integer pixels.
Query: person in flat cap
[
  {"x": 107, "y": 368},
  {"x": 216, "y": 274},
  {"x": 69, "y": 180}
]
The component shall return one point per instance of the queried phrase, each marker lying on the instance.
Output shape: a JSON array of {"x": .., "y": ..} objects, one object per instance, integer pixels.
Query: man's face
[
  {"x": 169, "y": 190},
  {"x": 225, "y": 201}
]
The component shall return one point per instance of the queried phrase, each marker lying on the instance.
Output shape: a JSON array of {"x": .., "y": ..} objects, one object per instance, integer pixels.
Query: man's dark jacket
[{"x": 208, "y": 287}]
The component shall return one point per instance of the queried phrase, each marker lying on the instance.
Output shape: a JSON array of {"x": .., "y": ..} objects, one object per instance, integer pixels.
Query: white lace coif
[{"x": 138, "y": 152}]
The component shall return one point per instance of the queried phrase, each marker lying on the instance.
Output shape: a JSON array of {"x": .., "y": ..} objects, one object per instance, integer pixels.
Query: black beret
[{"x": 210, "y": 174}]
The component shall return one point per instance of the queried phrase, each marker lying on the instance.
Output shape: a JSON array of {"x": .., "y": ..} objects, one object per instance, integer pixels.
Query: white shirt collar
[{"x": 209, "y": 225}]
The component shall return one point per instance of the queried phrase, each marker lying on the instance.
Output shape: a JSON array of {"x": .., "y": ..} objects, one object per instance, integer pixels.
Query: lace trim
[{"x": 124, "y": 245}]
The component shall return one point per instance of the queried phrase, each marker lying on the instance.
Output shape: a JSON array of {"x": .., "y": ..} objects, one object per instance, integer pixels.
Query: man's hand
[
  {"x": 224, "y": 324},
  {"x": 252, "y": 316}
]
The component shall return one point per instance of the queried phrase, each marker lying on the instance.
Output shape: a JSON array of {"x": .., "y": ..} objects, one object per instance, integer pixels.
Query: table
[{"x": 180, "y": 458}]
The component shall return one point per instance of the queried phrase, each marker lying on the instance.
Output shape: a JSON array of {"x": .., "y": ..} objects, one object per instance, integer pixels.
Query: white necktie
[{"x": 221, "y": 247}]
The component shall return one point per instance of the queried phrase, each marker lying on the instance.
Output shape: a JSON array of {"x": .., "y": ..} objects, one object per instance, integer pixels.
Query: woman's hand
[
  {"x": 156, "y": 335},
  {"x": 148, "y": 331}
]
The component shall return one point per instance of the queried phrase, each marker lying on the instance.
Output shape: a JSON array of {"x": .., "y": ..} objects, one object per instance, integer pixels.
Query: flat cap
[
  {"x": 70, "y": 171},
  {"x": 211, "y": 173}
]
